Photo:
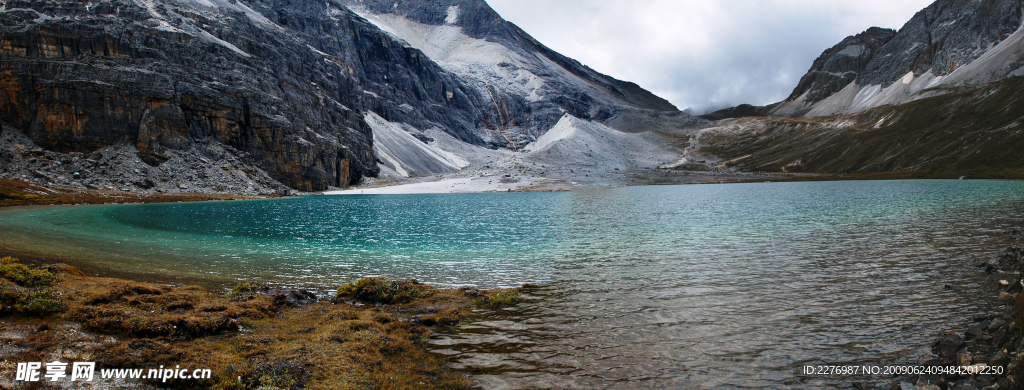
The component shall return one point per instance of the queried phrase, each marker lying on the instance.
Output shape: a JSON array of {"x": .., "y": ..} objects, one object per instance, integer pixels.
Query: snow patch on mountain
[
  {"x": 446, "y": 45},
  {"x": 236, "y": 6},
  {"x": 404, "y": 155},
  {"x": 580, "y": 143},
  {"x": 857, "y": 98},
  {"x": 486, "y": 63},
  {"x": 453, "y": 15}
]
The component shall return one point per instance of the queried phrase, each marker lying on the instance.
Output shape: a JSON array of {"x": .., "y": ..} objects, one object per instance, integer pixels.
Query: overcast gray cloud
[{"x": 703, "y": 53}]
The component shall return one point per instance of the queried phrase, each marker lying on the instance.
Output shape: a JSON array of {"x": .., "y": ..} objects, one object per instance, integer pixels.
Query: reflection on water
[{"x": 651, "y": 287}]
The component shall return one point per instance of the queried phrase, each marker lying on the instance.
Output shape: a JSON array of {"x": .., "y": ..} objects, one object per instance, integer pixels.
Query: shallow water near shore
[{"x": 700, "y": 286}]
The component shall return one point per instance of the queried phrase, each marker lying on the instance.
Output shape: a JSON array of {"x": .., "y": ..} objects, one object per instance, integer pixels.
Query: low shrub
[
  {"x": 20, "y": 291},
  {"x": 41, "y": 304},
  {"x": 144, "y": 324},
  {"x": 263, "y": 374},
  {"x": 242, "y": 292},
  {"x": 449, "y": 316},
  {"x": 10, "y": 295},
  {"x": 380, "y": 290},
  {"x": 23, "y": 275},
  {"x": 498, "y": 299}
]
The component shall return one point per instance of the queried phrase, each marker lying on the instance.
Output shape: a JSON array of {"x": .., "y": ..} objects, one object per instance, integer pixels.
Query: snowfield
[
  {"x": 580, "y": 143},
  {"x": 571, "y": 152},
  {"x": 449, "y": 186},
  {"x": 404, "y": 155}
]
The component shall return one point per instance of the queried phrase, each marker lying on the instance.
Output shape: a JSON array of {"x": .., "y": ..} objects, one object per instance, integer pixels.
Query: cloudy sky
[{"x": 703, "y": 54}]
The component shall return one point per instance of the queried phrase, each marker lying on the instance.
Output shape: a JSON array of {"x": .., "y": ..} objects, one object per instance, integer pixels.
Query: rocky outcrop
[
  {"x": 284, "y": 83},
  {"x": 206, "y": 166},
  {"x": 879, "y": 67},
  {"x": 740, "y": 111},
  {"x": 943, "y": 37},
  {"x": 381, "y": 75},
  {"x": 80, "y": 76},
  {"x": 840, "y": 65}
]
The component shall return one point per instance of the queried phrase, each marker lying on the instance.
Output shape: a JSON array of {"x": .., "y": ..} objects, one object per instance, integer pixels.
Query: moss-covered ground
[{"x": 371, "y": 335}]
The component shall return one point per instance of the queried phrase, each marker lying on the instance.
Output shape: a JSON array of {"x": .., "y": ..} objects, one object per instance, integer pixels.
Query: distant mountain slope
[
  {"x": 941, "y": 98},
  {"x": 976, "y": 133},
  {"x": 740, "y": 111},
  {"x": 936, "y": 50},
  {"x": 529, "y": 87},
  {"x": 840, "y": 65}
]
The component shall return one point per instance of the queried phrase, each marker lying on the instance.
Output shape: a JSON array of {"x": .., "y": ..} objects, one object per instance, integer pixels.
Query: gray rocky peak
[
  {"x": 944, "y": 36},
  {"x": 949, "y": 35},
  {"x": 840, "y": 65}
]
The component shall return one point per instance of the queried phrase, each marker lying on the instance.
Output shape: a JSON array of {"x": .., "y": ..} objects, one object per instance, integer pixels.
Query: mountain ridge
[
  {"x": 940, "y": 98},
  {"x": 939, "y": 40},
  {"x": 283, "y": 87}
]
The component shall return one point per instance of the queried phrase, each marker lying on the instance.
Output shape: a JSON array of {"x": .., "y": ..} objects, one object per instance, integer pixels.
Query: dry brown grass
[{"x": 249, "y": 342}]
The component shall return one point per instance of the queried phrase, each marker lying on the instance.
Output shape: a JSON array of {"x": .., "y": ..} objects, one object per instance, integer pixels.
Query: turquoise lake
[{"x": 698, "y": 286}]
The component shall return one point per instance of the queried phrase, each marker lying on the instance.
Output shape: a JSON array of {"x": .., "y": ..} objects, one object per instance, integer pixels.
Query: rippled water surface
[{"x": 699, "y": 286}]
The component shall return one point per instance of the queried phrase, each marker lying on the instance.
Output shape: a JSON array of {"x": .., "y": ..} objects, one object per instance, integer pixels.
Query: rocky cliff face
[
  {"x": 945, "y": 36},
  {"x": 288, "y": 84},
  {"x": 78, "y": 76},
  {"x": 878, "y": 67},
  {"x": 840, "y": 65}
]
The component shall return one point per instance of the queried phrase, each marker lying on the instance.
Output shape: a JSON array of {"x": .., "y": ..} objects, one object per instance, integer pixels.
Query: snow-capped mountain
[{"x": 526, "y": 88}]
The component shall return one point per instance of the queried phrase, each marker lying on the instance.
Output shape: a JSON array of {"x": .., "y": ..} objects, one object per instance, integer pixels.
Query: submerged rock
[{"x": 949, "y": 345}]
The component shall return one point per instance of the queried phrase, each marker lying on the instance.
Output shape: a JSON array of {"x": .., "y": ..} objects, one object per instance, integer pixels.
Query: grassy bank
[
  {"x": 974, "y": 133},
  {"x": 372, "y": 334}
]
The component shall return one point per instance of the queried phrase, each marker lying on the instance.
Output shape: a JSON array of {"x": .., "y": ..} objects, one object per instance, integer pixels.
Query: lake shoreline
[
  {"x": 24, "y": 193},
  {"x": 890, "y": 277},
  {"x": 970, "y": 350},
  {"x": 989, "y": 353},
  {"x": 372, "y": 333}
]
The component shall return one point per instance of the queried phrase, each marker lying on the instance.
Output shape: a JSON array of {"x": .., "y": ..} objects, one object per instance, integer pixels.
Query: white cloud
[{"x": 703, "y": 53}]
